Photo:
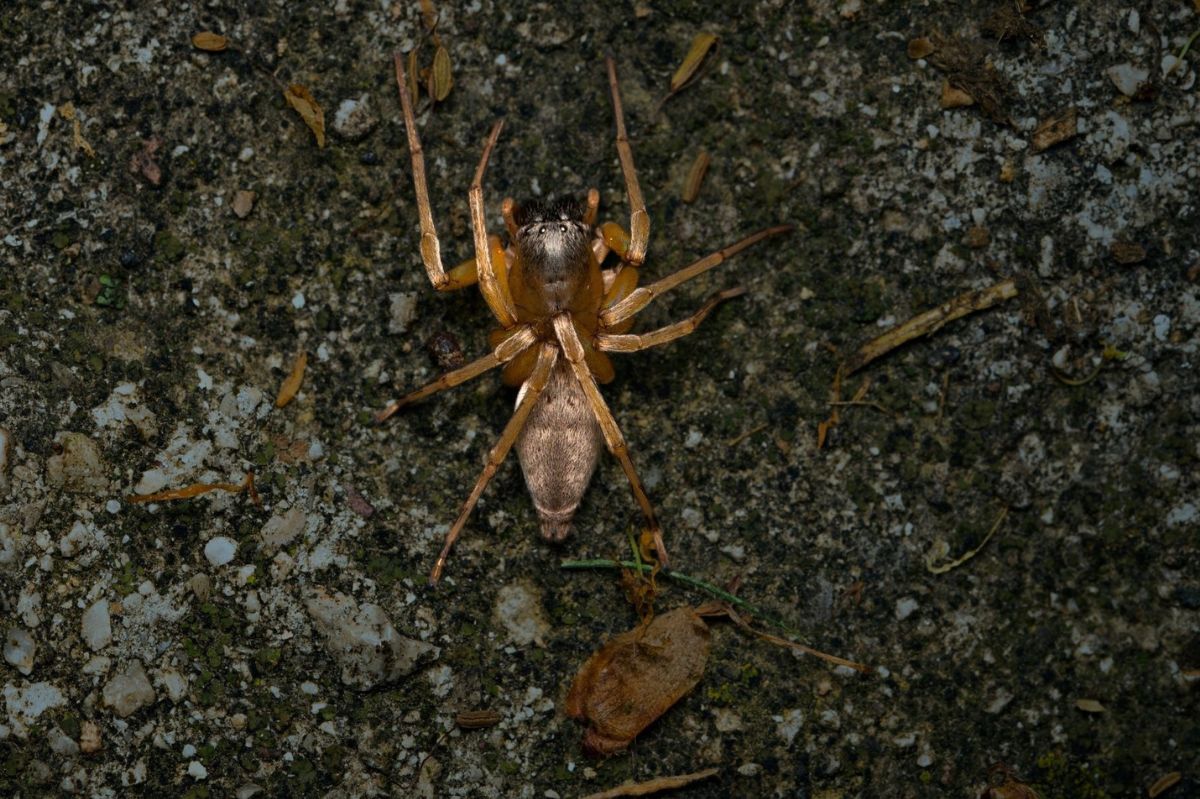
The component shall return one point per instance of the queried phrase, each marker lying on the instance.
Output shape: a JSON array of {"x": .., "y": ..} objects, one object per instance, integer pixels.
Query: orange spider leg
[
  {"x": 564, "y": 331},
  {"x": 510, "y": 348},
  {"x": 497, "y": 299},
  {"x": 593, "y": 205},
  {"x": 640, "y": 298},
  {"x": 639, "y": 220},
  {"x": 623, "y": 282},
  {"x": 467, "y": 273},
  {"x": 508, "y": 209},
  {"x": 431, "y": 252},
  {"x": 537, "y": 381},
  {"x": 615, "y": 238},
  {"x": 632, "y": 343}
]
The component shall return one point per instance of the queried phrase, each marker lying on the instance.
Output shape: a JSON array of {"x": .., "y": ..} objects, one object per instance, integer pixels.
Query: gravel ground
[{"x": 149, "y": 313}]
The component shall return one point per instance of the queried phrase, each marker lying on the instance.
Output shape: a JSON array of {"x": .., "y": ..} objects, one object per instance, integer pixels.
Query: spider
[{"x": 559, "y": 315}]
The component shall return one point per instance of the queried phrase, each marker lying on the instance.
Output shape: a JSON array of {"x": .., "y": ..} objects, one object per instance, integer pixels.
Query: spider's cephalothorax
[
  {"x": 554, "y": 269},
  {"x": 559, "y": 313}
]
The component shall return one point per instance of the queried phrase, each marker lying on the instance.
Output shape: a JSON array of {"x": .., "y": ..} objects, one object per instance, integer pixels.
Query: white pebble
[
  {"x": 905, "y": 607},
  {"x": 97, "y": 626},
  {"x": 220, "y": 550},
  {"x": 19, "y": 649},
  {"x": 197, "y": 770}
]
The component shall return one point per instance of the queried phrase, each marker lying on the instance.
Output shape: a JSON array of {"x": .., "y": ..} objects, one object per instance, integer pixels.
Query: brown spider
[{"x": 550, "y": 296}]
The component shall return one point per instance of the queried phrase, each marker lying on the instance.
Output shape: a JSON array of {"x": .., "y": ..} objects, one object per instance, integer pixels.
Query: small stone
[
  {"x": 19, "y": 649},
  {"x": 97, "y": 626},
  {"x": 129, "y": 691},
  {"x": 79, "y": 468},
  {"x": 977, "y": 237},
  {"x": 905, "y": 608},
  {"x": 281, "y": 530},
  {"x": 61, "y": 743},
  {"x": 1055, "y": 129},
  {"x": 518, "y": 609},
  {"x": 243, "y": 203},
  {"x": 402, "y": 311},
  {"x": 1127, "y": 78},
  {"x": 353, "y": 119},
  {"x": 220, "y": 550},
  {"x": 363, "y": 640},
  {"x": 25, "y": 704},
  {"x": 196, "y": 770},
  {"x": 790, "y": 724},
  {"x": 89, "y": 737},
  {"x": 201, "y": 586}
]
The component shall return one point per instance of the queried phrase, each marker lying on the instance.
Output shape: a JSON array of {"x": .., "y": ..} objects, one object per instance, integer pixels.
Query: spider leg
[
  {"x": 564, "y": 330},
  {"x": 496, "y": 296},
  {"x": 641, "y": 297},
  {"x": 639, "y": 220},
  {"x": 633, "y": 343},
  {"x": 510, "y": 348},
  {"x": 431, "y": 252},
  {"x": 537, "y": 381}
]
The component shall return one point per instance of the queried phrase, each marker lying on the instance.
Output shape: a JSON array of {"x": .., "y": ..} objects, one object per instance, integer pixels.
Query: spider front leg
[
  {"x": 547, "y": 356},
  {"x": 431, "y": 252},
  {"x": 639, "y": 220},
  {"x": 564, "y": 331}
]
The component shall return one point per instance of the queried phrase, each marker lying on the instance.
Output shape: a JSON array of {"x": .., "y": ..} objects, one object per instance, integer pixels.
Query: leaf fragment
[
  {"x": 196, "y": 489},
  {"x": 440, "y": 80},
  {"x": 292, "y": 384},
  {"x": 306, "y": 106},
  {"x": 919, "y": 48},
  {"x": 701, "y": 44},
  {"x": 636, "y": 677},
  {"x": 691, "y": 187},
  {"x": 1163, "y": 783},
  {"x": 209, "y": 42},
  {"x": 476, "y": 719},
  {"x": 655, "y": 785},
  {"x": 1055, "y": 129}
]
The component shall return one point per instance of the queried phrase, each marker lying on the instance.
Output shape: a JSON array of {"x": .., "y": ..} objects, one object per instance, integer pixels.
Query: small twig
[
  {"x": 1061, "y": 377},
  {"x": 196, "y": 489},
  {"x": 942, "y": 568},
  {"x": 930, "y": 322},
  {"x": 740, "y": 437},
  {"x": 865, "y": 404},
  {"x": 655, "y": 785}
]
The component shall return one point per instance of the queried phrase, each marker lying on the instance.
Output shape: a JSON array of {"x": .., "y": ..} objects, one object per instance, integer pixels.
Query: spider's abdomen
[{"x": 558, "y": 450}]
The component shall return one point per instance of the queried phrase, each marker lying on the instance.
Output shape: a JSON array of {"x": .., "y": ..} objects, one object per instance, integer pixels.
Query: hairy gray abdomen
[{"x": 558, "y": 450}]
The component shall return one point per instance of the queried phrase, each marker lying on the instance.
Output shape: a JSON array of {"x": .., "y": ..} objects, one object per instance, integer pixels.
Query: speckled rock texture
[{"x": 171, "y": 237}]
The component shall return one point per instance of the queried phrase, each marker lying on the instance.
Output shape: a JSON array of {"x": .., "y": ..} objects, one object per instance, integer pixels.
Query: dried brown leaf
[
  {"x": 701, "y": 44},
  {"x": 306, "y": 106},
  {"x": 1127, "y": 253},
  {"x": 441, "y": 81},
  {"x": 209, "y": 42},
  {"x": 413, "y": 69},
  {"x": 1055, "y": 129},
  {"x": 477, "y": 719},
  {"x": 919, "y": 48},
  {"x": 655, "y": 785},
  {"x": 954, "y": 97},
  {"x": 691, "y": 187},
  {"x": 636, "y": 676},
  {"x": 292, "y": 384},
  {"x": 1166, "y": 781}
]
